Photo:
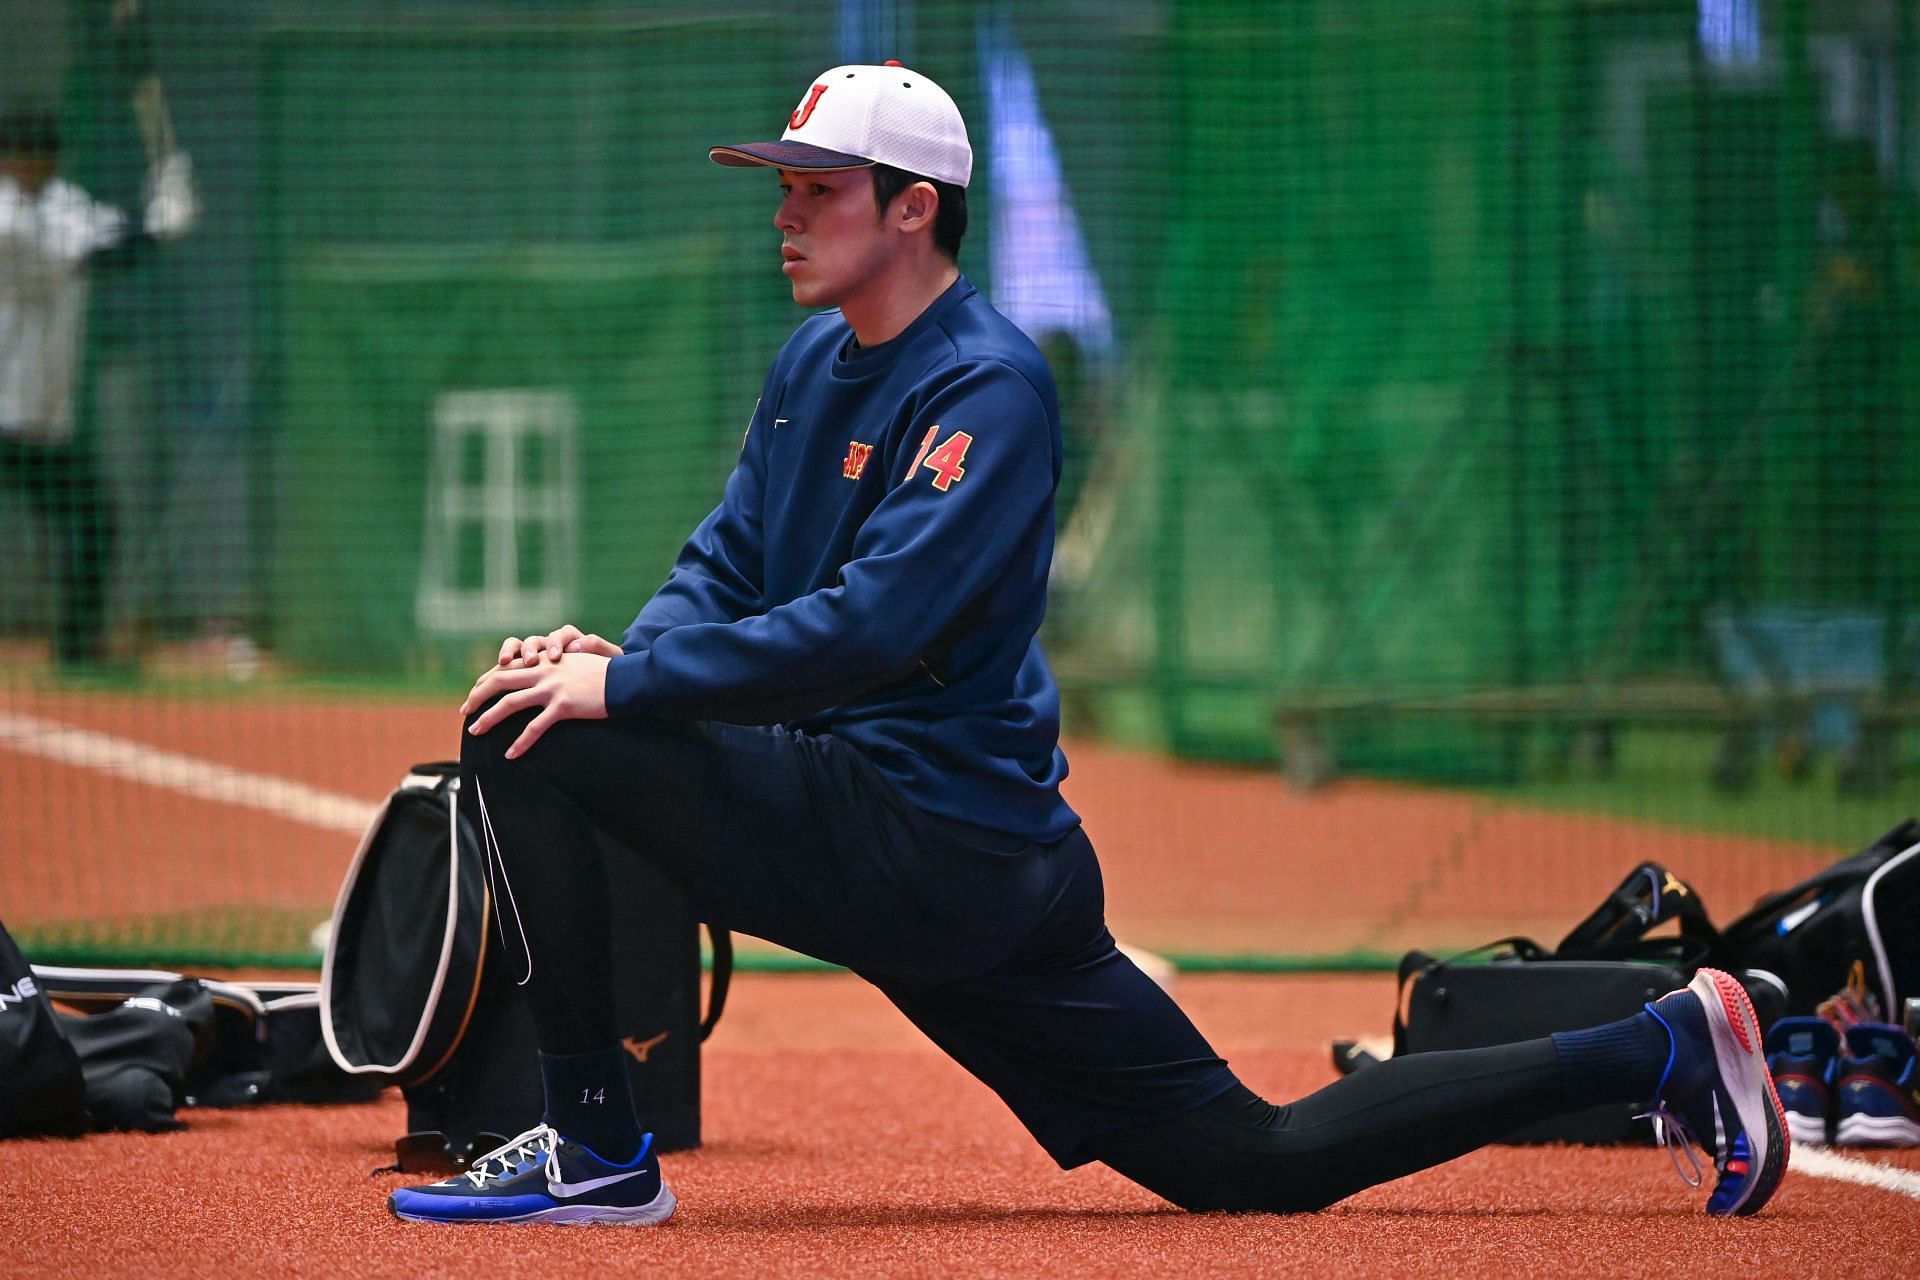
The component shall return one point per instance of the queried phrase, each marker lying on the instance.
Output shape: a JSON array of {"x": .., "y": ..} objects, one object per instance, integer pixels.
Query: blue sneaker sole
[{"x": 655, "y": 1211}]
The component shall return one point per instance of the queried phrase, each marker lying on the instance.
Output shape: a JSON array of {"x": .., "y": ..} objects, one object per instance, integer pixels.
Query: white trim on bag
[
  {"x": 69, "y": 973},
  {"x": 446, "y": 942},
  {"x": 1874, "y": 938},
  {"x": 303, "y": 1000},
  {"x": 51, "y": 976}
]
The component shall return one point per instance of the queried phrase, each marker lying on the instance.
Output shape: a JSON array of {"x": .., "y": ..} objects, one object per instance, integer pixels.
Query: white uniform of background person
[
  {"x": 50, "y": 232},
  {"x": 44, "y": 246},
  {"x": 45, "y": 242}
]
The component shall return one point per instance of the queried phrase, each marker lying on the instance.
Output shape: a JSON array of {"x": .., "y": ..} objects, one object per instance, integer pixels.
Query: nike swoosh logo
[
  {"x": 778, "y": 421},
  {"x": 567, "y": 1190}
]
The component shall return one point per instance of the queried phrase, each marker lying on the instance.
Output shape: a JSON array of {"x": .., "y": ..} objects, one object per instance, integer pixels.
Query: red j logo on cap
[{"x": 805, "y": 109}]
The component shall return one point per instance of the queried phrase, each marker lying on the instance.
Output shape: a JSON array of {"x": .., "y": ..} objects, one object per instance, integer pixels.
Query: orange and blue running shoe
[{"x": 1715, "y": 1093}]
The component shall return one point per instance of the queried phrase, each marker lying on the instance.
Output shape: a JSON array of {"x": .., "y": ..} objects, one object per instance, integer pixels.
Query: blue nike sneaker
[
  {"x": 542, "y": 1177},
  {"x": 1716, "y": 1093}
]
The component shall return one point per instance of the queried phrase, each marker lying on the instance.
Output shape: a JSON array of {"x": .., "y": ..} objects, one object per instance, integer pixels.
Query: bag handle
[
  {"x": 1650, "y": 895},
  {"x": 1684, "y": 951},
  {"x": 719, "y": 978},
  {"x": 1415, "y": 963},
  {"x": 1410, "y": 964}
]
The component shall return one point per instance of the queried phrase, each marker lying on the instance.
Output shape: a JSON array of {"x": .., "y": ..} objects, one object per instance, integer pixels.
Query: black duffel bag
[
  {"x": 1521, "y": 992},
  {"x": 118, "y": 1062},
  {"x": 263, "y": 1043},
  {"x": 418, "y": 989},
  {"x": 1604, "y": 970}
]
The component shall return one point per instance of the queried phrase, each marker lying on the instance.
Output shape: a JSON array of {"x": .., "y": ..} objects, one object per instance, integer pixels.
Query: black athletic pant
[
  {"x": 62, "y": 482},
  {"x": 1000, "y": 953},
  {"x": 1241, "y": 1152}
]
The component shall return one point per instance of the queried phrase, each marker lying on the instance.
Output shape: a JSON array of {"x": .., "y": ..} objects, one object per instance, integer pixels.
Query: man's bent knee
[
  {"x": 488, "y": 751},
  {"x": 490, "y": 748}
]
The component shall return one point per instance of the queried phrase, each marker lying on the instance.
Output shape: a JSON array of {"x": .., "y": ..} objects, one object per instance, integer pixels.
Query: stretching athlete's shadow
[
  {"x": 1520, "y": 1212},
  {"x": 718, "y": 1215},
  {"x": 730, "y": 1217}
]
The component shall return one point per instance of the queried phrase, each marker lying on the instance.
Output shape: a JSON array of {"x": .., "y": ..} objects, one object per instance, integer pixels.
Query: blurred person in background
[{"x": 52, "y": 236}]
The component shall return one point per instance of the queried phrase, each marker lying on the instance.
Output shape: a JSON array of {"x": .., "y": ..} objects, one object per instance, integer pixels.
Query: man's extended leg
[
  {"x": 1100, "y": 1064},
  {"x": 1241, "y": 1152},
  {"x": 1694, "y": 1053}
]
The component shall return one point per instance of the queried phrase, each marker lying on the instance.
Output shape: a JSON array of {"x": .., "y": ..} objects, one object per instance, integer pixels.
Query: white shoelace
[
  {"x": 512, "y": 1155},
  {"x": 1671, "y": 1132}
]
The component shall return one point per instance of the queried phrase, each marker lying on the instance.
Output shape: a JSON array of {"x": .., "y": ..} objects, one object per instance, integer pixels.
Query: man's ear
[{"x": 917, "y": 206}]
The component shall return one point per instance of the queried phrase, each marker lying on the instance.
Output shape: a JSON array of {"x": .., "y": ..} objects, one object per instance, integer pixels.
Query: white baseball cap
[{"x": 854, "y": 117}]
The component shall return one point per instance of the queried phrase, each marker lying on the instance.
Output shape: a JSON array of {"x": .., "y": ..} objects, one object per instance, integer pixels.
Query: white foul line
[
  {"x": 1822, "y": 1163},
  {"x": 189, "y": 775}
]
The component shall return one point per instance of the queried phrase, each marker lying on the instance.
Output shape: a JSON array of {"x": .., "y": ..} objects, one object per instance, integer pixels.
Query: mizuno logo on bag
[{"x": 22, "y": 991}]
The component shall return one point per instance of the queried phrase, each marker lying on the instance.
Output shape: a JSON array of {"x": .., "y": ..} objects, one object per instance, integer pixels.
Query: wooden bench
[{"x": 1307, "y": 724}]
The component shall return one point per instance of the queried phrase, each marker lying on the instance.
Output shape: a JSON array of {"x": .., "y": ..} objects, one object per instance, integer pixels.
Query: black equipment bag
[
  {"x": 41, "y": 1089},
  {"x": 419, "y": 988},
  {"x": 1863, "y": 910},
  {"x": 262, "y": 1043},
  {"x": 1605, "y": 969},
  {"x": 130, "y": 1052},
  {"x": 136, "y": 1053},
  {"x": 1523, "y": 993}
]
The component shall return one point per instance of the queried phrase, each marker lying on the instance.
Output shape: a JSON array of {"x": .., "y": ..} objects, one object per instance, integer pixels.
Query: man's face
[{"x": 834, "y": 243}]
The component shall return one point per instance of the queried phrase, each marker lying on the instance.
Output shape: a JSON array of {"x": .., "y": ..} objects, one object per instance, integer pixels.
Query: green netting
[
  {"x": 485, "y": 408},
  {"x": 1476, "y": 414}
]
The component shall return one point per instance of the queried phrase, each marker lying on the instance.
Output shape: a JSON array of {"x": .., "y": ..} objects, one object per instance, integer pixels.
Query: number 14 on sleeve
[{"x": 944, "y": 461}]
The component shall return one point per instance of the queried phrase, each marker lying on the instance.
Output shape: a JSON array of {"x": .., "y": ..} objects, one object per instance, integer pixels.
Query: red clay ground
[{"x": 840, "y": 1144}]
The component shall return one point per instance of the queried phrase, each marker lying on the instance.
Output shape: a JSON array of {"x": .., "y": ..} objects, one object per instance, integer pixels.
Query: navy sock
[
  {"x": 588, "y": 1101},
  {"x": 1620, "y": 1061}
]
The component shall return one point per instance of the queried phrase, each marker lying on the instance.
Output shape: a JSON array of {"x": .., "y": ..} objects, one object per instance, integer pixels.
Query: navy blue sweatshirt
[{"x": 878, "y": 567}]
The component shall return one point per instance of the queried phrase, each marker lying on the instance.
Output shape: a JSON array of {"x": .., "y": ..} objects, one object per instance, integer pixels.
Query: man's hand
[
  {"x": 572, "y": 686},
  {"x": 517, "y": 651}
]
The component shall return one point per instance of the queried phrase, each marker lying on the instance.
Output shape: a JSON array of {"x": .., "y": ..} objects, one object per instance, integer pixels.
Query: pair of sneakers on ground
[
  {"x": 1860, "y": 1089},
  {"x": 1714, "y": 1092}
]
